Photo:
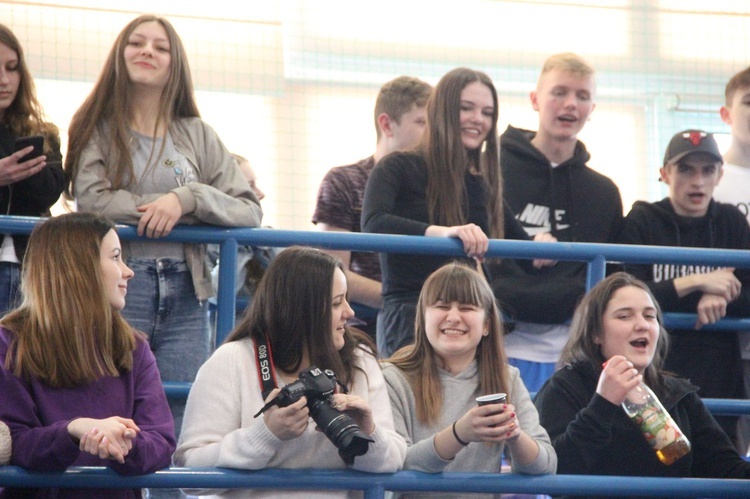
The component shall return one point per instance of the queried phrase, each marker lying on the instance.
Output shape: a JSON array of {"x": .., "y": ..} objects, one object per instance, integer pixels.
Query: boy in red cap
[{"x": 690, "y": 217}]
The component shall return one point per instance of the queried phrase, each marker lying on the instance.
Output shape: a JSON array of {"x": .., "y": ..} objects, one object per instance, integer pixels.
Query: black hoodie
[
  {"x": 574, "y": 203},
  {"x": 657, "y": 224},
  {"x": 592, "y": 436}
]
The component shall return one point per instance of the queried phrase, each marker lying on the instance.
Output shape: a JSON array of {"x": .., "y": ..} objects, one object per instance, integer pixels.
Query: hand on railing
[
  {"x": 160, "y": 216},
  {"x": 475, "y": 240},
  {"x": 544, "y": 237}
]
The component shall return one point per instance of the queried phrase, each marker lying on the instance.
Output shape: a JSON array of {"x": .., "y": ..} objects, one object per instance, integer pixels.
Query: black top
[
  {"x": 32, "y": 196},
  {"x": 592, "y": 436},
  {"x": 395, "y": 203}
]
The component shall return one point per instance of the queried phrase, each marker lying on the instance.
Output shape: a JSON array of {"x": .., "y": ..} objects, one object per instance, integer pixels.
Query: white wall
[{"x": 290, "y": 84}]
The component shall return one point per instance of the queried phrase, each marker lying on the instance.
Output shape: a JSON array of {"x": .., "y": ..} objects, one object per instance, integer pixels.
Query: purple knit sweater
[{"x": 38, "y": 416}]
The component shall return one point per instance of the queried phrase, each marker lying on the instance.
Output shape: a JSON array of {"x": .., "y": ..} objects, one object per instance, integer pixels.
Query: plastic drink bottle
[{"x": 656, "y": 424}]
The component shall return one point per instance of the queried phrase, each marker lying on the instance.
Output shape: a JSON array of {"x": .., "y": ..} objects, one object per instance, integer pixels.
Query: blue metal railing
[
  {"x": 374, "y": 485},
  {"x": 595, "y": 255}
]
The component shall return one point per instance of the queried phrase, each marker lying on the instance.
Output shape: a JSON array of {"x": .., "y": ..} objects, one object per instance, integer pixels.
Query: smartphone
[{"x": 35, "y": 140}]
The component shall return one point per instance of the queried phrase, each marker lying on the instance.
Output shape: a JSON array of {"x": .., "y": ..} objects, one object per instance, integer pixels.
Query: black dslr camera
[{"x": 318, "y": 386}]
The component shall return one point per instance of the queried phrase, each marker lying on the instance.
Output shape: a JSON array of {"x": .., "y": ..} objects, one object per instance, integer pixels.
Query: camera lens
[{"x": 340, "y": 429}]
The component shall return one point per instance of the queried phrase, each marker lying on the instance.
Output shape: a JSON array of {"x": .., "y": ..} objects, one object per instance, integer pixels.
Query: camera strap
[{"x": 266, "y": 369}]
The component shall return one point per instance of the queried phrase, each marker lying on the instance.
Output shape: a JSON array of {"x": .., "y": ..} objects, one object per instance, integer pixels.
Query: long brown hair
[
  {"x": 453, "y": 282},
  {"x": 66, "y": 332},
  {"x": 292, "y": 310},
  {"x": 110, "y": 102},
  {"x": 448, "y": 160},
  {"x": 588, "y": 324},
  {"x": 25, "y": 116}
]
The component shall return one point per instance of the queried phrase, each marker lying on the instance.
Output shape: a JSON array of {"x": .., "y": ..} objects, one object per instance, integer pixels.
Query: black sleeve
[
  {"x": 513, "y": 229},
  {"x": 33, "y": 196},
  {"x": 740, "y": 307},
  {"x": 384, "y": 194},
  {"x": 579, "y": 425},
  {"x": 634, "y": 231}
]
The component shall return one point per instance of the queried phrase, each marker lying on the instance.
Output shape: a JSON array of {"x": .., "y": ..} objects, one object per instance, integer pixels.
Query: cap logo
[{"x": 695, "y": 138}]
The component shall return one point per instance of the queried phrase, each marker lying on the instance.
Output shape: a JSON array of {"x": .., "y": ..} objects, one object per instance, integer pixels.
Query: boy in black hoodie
[
  {"x": 690, "y": 217},
  {"x": 549, "y": 188}
]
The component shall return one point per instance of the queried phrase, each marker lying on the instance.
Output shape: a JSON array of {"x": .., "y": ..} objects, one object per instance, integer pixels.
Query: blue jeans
[
  {"x": 161, "y": 303},
  {"x": 10, "y": 280},
  {"x": 395, "y": 324}
]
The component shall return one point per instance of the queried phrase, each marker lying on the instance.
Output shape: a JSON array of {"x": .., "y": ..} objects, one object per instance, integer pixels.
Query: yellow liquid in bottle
[{"x": 673, "y": 451}]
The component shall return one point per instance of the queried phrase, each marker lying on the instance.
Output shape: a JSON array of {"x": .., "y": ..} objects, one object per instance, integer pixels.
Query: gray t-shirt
[{"x": 158, "y": 173}]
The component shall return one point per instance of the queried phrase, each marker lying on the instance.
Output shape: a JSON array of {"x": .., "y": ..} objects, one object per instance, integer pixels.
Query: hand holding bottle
[{"x": 618, "y": 377}]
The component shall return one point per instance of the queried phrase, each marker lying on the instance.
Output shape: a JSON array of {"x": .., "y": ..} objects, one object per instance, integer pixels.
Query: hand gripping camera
[{"x": 318, "y": 386}]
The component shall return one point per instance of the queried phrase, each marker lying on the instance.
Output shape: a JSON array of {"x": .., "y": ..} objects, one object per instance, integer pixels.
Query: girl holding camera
[
  {"x": 297, "y": 319},
  {"x": 457, "y": 356}
]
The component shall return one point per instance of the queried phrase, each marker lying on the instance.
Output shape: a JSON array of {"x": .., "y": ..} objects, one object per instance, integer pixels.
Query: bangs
[{"x": 456, "y": 282}]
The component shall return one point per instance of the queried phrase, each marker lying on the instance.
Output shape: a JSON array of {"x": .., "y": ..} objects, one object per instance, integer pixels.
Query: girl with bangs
[
  {"x": 80, "y": 387},
  {"x": 457, "y": 356}
]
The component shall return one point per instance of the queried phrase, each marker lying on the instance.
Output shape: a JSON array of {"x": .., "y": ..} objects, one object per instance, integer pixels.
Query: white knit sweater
[{"x": 219, "y": 428}]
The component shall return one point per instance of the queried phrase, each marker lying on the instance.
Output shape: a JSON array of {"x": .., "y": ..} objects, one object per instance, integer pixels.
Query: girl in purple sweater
[{"x": 80, "y": 387}]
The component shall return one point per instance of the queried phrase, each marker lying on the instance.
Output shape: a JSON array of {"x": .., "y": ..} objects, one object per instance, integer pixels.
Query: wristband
[{"x": 455, "y": 434}]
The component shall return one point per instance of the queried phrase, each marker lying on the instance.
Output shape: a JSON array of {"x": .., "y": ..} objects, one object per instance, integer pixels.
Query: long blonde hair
[
  {"x": 453, "y": 282},
  {"x": 109, "y": 103},
  {"x": 66, "y": 332}
]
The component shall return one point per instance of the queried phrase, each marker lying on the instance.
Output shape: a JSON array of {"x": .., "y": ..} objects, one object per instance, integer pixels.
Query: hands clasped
[{"x": 110, "y": 438}]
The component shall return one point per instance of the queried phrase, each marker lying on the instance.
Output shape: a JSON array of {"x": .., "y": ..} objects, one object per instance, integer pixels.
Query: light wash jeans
[
  {"x": 161, "y": 302},
  {"x": 10, "y": 281}
]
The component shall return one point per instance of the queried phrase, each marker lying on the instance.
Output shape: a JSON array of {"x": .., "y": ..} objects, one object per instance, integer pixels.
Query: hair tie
[{"x": 455, "y": 434}]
